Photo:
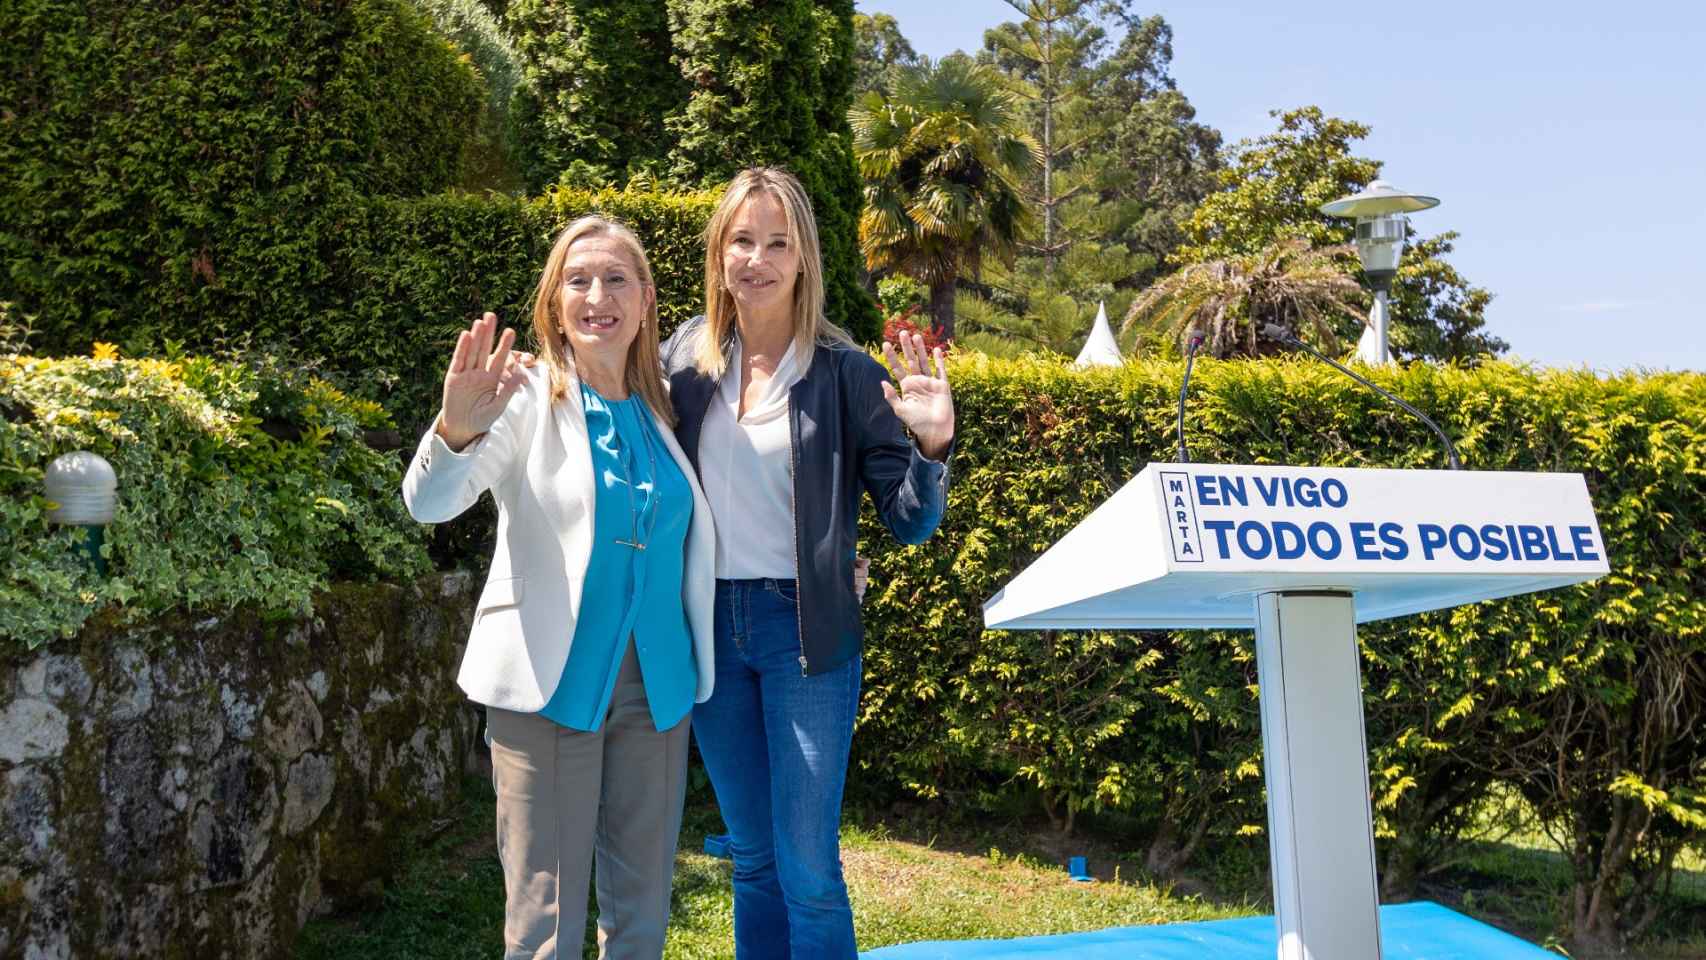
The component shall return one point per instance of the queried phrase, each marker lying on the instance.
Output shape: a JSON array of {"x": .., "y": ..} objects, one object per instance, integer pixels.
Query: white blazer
[{"x": 537, "y": 462}]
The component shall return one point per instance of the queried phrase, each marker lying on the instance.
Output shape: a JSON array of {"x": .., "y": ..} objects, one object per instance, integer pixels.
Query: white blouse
[{"x": 746, "y": 466}]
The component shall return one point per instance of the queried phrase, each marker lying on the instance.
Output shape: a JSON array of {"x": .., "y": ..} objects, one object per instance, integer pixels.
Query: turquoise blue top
[{"x": 630, "y": 592}]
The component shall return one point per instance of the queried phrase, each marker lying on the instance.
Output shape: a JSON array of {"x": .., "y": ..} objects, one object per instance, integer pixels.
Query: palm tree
[
  {"x": 941, "y": 158},
  {"x": 1305, "y": 289}
]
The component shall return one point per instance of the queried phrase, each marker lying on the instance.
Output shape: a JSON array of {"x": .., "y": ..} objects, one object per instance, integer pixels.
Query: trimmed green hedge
[
  {"x": 238, "y": 484},
  {"x": 376, "y": 290},
  {"x": 1562, "y": 695},
  {"x": 162, "y": 162}
]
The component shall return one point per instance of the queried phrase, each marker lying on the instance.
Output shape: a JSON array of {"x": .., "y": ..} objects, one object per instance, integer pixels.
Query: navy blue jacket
[{"x": 846, "y": 442}]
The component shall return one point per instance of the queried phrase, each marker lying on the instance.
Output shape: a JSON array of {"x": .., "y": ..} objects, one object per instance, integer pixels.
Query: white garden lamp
[
  {"x": 1380, "y": 224},
  {"x": 84, "y": 491}
]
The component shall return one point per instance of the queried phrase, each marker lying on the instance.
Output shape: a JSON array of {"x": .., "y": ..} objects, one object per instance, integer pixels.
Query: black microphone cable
[
  {"x": 1190, "y": 359},
  {"x": 1274, "y": 331}
]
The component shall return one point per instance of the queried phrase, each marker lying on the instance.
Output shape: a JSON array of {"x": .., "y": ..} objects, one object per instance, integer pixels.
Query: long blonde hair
[
  {"x": 811, "y": 326},
  {"x": 644, "y": 370}
]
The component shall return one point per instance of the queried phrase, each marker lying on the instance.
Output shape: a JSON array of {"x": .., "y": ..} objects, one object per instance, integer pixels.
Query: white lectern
[{"x": 1302, "y": 555}]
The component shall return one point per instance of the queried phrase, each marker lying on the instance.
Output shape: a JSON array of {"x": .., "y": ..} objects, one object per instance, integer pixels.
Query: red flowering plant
[{"x": 908, "y": 322}]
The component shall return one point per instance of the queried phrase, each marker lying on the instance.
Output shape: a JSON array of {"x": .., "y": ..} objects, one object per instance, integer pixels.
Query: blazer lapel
[{"x": 575, "y": 480}]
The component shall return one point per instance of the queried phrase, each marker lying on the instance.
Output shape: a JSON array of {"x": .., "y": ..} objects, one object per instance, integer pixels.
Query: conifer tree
[
  {"x": 598, "y": 82},
  {"x": 774, "y": 89}
]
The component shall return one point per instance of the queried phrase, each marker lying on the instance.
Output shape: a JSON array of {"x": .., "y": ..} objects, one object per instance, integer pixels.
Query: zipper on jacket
[{"x": 794, "y": 509}]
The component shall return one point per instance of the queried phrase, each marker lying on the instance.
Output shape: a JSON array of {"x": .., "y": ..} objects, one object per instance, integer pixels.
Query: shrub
[
  {"x": 1585, "y": 697},
  {"x": 243, "y": 483},
  {"x": 160, "y": 163}
]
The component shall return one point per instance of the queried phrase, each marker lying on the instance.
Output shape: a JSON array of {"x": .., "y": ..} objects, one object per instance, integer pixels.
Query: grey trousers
[{"x": 567, "y": 798}]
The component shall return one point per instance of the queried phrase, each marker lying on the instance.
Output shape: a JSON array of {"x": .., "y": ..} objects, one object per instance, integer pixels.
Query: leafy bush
[
  {"x": 243, "y": 483},
  {"x": 166, "y": 166},
  {"x": 1588, "y": 699},
  {"x": 379, "y": 288}
]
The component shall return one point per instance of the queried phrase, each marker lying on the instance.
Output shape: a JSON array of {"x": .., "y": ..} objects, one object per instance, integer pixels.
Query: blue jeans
[{"x": 775, "y": 744}]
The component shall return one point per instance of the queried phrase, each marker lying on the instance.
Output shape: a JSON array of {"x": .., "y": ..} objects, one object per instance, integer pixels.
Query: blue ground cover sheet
[{"x": 1409, "y": 931}]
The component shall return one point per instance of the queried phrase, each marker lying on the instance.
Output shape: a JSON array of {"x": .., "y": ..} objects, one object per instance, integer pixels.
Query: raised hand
[
  {"x": 924, "y": 403},
  {"x": 478, "y": 383}
]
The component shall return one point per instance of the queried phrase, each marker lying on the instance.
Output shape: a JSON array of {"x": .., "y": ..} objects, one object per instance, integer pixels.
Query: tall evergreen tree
[
  {"x": 598, "y": 82},
  {"x": 1122, "y": 158},
  {"x": 774, "y": 90},
  {"x": 878, "y": 46}
]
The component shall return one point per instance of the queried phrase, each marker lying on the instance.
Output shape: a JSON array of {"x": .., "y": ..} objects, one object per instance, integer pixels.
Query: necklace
[{"x": 634, "y": 513}]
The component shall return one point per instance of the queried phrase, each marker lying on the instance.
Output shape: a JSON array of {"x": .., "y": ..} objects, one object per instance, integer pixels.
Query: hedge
[
  {"x": 1588, "y": 700},
  {"x": 159, "y": 161},
  {"x": 377, "y": 289},
  {"x": 239, "y": 484}
]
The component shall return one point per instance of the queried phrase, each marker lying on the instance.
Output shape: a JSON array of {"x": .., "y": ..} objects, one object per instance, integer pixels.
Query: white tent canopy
[{"x": 1100, "y": 350}]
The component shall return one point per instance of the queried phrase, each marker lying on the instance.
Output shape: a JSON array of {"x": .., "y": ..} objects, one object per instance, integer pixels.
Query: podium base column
[{"x": 1315, "y": 756}]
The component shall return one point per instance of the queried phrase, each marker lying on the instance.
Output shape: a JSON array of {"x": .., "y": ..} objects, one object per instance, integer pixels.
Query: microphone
[
  {"x": 1274, "y": 331},
  {"x": 1190, "y": 359}
]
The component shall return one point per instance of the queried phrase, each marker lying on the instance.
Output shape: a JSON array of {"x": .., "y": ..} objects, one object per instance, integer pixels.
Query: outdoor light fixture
[
  {"x": 1380, "y": 217},
  {"x": 85, "y": 489}
]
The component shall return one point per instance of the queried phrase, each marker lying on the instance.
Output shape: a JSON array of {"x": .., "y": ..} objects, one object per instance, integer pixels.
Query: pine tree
[
  {"x": 598, "y": 82},
  {"x": 772, "y": 87}
]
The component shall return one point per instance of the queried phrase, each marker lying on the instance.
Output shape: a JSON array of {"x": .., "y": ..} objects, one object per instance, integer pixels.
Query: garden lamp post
[
  {"x": 85, "y": 489},
  {"x": 1380, "y": 224}
]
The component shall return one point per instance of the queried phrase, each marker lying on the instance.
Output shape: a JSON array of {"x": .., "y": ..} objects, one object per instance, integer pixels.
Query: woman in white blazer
[{"x": 593, "y": 636}]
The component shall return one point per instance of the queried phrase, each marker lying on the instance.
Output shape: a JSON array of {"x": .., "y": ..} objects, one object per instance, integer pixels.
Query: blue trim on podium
[{"x": 1408, "y": 931}]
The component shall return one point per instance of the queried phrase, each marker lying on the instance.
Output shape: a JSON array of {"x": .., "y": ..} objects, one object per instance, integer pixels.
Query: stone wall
[{"x": 199, "y": 787}]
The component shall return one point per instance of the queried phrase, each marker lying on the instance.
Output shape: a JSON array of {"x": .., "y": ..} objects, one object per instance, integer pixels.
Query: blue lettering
[
  {"x": 1178, "y": 501},
  {"x": 1334, "y": 493},
  {"x": 1288, "y": 540},
  {"x": 1232, "y": 488},
  {"x": 1464, "y": 543},
  {"x": 1362, "y": 538},
  {"x": 1176, "y": 486},
  {"x": 1220, "y": 528},
  {"x": 1494, "y": 539},
  {"x": 1582, "y": 539},
  {"x": 1533, "y": 542},
  {"x": 1186, "y": 548},
  {"x": 1180, "y": 516},
  {"x": 1253, "y": 539},
  {"x": 1270, "y": 494},
  {"x": 1433, "y": 537},
  {"x": 1329, "y": 551},
  {"x": 1392, "y": 534},
  {"x": 1307, "y": 493},
  {"x": 1552, "y": 542},
  {"x": 1205, "y": 492}
]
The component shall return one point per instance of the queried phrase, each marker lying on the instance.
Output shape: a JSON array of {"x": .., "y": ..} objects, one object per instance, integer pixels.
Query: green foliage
[
  {"x": 600, "y": 79},
  {"x": 377, "y": 289},
  {"x": 1272, "y": 190},
  {"x": 245, "y": 483},
  {"x": 1555, "y": 693},
  {"x": 1288, "y": 283},
  {"x": 137, "y": 137},
  {"x": 772, "y": 88},
  {"x": 941, "y": 158},
  {"x": 490, "y": 161},
  {"x": 1122, "y": 162},
  {"x": 877, "y": 46}
]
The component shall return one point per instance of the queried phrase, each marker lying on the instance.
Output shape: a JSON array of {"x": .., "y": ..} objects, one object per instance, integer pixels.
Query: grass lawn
[{"x": 909, "y": 883}]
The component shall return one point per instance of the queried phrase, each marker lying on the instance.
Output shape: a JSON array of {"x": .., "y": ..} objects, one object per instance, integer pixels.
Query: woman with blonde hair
[
  {"x": 789, "y": 424},
  {"x": 592, "y": 638}
]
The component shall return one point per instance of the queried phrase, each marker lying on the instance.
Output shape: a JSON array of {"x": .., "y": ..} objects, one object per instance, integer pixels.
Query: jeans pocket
[{"x": 788, "y": 590}]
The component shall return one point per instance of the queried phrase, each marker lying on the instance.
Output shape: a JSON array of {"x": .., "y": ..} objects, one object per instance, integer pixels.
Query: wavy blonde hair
[
  {"x": 811, "y": 326},
  {"x": 644, "y": 371}
]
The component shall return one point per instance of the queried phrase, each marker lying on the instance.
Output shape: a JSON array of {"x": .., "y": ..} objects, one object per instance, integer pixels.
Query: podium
[{"x": 1302, "y": 555}]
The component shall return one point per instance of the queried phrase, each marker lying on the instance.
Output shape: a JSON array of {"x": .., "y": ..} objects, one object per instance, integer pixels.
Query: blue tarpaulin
[{"x": 1409, "y": 931}]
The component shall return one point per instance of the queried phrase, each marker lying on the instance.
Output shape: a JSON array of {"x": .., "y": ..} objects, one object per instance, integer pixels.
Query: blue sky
[{"x": 1566, "y": 140}]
